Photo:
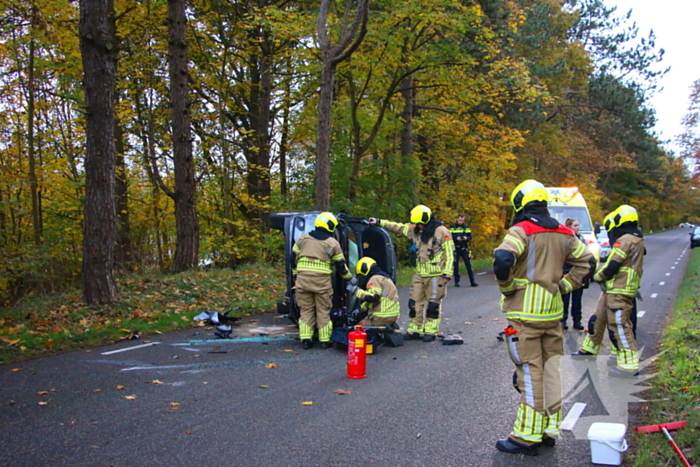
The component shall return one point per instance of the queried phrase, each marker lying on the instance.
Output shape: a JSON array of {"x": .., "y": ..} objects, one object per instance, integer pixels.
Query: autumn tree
[{"x": 98, "y": 49}]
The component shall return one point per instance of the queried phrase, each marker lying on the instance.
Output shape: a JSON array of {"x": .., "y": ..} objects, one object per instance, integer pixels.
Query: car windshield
[
  {"x": 603, "y": 235},
  {"x": 579, "y": 213},
  {"x": 696, "y": 232}
]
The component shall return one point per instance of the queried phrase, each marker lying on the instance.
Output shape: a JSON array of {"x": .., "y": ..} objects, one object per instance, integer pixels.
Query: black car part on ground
[{"x": 357, "y": 239}]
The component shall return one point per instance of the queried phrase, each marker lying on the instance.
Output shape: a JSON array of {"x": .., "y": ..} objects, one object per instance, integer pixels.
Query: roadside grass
[
  {"x": 675, "y": 394},
  {"x": 149, "y": 304}
]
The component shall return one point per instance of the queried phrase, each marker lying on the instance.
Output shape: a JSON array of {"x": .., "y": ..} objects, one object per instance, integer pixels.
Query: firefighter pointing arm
[{"x": 434, "y": 250}]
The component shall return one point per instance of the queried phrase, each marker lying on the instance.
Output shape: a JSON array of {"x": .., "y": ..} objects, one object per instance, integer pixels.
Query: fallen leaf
[
  {"x": 307, "y": 403},
  {"x": 158, "y": 332},
  {"x": 88, "y": 351},
  {"x": 97, "y": 390},
  {"x": 131, "y": 397},
  {"x": 342, "y": 392},
  {"x": 43, "y": 403},
  {"x": 468, "y": 322},
  {"x": 418, "y": 435},
  {"x": 15, "y": 369},
  {"x": 174, "y": 404},
  {"x": 196, "y": 356},
  {"x": 17, "y": 341},
  {"x": 120, "y": 387},
  {"x": 424, "y": 356},
  {"x": 264, "y": 386},
  {"x": 41, "y": 393},
  {"x": 155, "y": 381},
  {"x": 285, "y": 350},
  {"x": 272, "y": 365},
  {"x": 188, "y": 432},
  {"x": 496, "y": 319}
]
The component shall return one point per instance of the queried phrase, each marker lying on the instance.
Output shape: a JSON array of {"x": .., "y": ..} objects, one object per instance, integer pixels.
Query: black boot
[
  {"x": 578, "y": 326},
  {"x": 564, "y": 326},
  {"x": 326, "y": 345},
  {"x": 307, "y": 344},
  {"x": 513, "y": 447}
]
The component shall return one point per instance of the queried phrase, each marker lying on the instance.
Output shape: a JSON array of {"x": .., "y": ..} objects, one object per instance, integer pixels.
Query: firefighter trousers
[
  {"x": 614, "y": 313},
  {"x": 424, "y": 304},
  {"x": 314, "y": 296},
  {"x": 536, "y": 349}
]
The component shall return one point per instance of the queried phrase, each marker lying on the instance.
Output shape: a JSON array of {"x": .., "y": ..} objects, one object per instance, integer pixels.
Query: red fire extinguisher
[{"x": 357, "y": 353}]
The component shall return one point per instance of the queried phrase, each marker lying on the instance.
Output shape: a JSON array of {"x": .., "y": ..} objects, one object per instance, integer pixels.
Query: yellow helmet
[
  {"x": 420, "y": 214},
  {"x": 527, "y": 191},
  {"x": 327, "y": 221},
  {"x": 624, "y": 213},
  {"x": 364, "y": 265}
]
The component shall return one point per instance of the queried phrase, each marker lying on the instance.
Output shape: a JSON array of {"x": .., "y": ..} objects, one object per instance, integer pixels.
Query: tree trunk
[
  {"x": 123, "y": 253},
  {"x": 350, "y": 38},
  {"x": 97, "y": 47},
  {"x": 407, "y": 91},
  {"x": 187, "y": 248},
  {"x": 31, "y": 152}
]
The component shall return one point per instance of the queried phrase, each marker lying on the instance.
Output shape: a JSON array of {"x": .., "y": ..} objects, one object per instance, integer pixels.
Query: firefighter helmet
[
  {"x": 420, "y": 214},
  {"x": 527, "y": 191},
  {"x": 619, "y": 216},
  {"x": 327, "y": 221},
  {"x": 364, "y": 265}
]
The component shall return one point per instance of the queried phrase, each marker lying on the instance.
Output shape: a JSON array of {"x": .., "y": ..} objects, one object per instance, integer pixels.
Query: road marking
[
  {"x": 673, "y": 267},
  {"x": 662, "y": 283},
  {"x": 480, "y": 273},
  {"x": 640, "y": 314},
  {"x": 130, "y": 348},
  {"x": 573, "y": 416},
  {"x": 233, "y": 340},
  {"x": 654, "y": 295},
  {"x": 676, "y": 262},
  {"x": 668, "y": 273}
]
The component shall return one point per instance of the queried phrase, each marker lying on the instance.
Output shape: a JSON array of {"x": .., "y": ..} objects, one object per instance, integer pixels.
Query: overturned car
[{"x": 357, "y": 239}]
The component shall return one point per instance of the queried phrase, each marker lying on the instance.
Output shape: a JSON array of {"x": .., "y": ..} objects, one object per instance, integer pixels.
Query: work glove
[
  {"x": 373, "y": 221},
  {"x": 351, "y": 288}
]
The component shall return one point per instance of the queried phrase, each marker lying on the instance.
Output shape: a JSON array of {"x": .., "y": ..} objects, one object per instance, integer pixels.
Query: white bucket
[{"x": 607, "y": 443}]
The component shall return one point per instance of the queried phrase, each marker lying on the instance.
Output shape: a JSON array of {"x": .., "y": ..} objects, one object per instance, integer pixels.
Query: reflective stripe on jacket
[
  {"x": 316, "y": 256},
  {"x": 532, "y": 291},
  {"x": 434, "y": 257},
  {"x": 628, "y": 251},
  {"x": 384, "y": 288}
]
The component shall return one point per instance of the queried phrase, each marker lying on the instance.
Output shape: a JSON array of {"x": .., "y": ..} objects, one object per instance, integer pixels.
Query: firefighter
[
  {"x": 433, "y": 248},
  {"x": 313, "y": 256},
  {"x": 528, "y": 266},
  {"x": 377, "y": 293},
  {"x": 461, "y": 236},
  {"x": 620, "y": 277}
]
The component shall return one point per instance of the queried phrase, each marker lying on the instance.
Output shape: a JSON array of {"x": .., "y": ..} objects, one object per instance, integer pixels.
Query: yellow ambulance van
[{"x": 569, "y": 202}]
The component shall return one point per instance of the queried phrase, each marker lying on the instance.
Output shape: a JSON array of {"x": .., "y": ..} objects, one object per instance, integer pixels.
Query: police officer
[
  {"x": 621, "y": 276},
  {"x": 528, "y": 266},
  {"x": 313, "y": 256},
  {"x": 377, "y": 293},
  {"x": 434, "y": 250},
  {"x": 462, "y": 235}
]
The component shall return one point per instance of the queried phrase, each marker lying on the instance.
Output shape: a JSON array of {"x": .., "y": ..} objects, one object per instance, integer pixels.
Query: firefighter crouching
[
  {"x": 620, "y": 277},
  {"x": 528, "y": 265},
  {"x": 377, "y": 293},
  {"x": 434, "y": 248},
  {"x": 313, "y": 256}
]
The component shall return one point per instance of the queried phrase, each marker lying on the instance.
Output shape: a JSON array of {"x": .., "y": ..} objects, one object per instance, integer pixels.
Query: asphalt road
[{"x": 196, "y": 400}]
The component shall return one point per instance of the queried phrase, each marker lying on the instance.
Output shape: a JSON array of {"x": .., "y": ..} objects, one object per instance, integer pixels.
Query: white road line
[
  {"x": 640, "y": 314},
  {"x": 673, "y": 267},
  {"x": 573, "y": 416},
  {"x": 668, "y": 273},
  {"x": 480, "y": 273},
  {"x": 654, "y": 295},
  {"x": 130, "y": 348},
  {"x": 662, "y": 283}
]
